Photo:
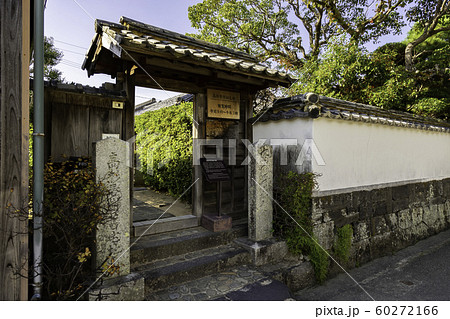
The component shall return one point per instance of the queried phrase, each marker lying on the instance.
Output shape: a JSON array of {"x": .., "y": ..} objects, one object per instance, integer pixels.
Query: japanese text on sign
[{"x": 223, "y": 104}]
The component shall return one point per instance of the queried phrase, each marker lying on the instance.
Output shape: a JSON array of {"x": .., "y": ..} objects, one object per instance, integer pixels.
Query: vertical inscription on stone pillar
[
  {"x": 113, "y": 238},
  {"x": 260, "y": 189}
]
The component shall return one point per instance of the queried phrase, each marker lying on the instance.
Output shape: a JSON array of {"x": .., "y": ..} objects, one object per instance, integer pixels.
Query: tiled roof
[
  {"x": 313, "y": 105},
  {"x": 147, "y": 38},
  {"x": 154, "y": 105}
]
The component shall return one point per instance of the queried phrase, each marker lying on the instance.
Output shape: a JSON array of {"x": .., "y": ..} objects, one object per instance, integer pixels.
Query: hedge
[{"x": 164, "y": 147}]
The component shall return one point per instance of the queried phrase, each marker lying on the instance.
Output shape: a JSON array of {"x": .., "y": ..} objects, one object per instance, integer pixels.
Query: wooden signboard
[
  {"x": 223, "y": 104},
  {"x": 215, "y": 171}
]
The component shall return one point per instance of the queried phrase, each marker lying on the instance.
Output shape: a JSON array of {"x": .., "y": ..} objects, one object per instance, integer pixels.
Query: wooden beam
[
  {"x": 198, "y": 132},
  {"x": 168, "y": 84},
  {"x": 178, "y": 66},
  {"x": 14, "y": 58}
]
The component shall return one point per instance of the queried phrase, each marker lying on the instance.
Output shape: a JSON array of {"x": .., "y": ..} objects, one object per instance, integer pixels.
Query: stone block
[
  {"x": 430, "y": 215},
  {"x": 447, "y": 211},
  {"x": 112, "y": 253},
  {"x": 380, "y": 209},
  {"x": 381, "y": 245},
  {"x": 325, "y": 234},
  {"x": 216, "y": 223},
  {"x": 300, "y": 277},
  {"x": 392, "y": 221},
  {"x": 400, "y": 192},
  {"x": 416, "y": 215},
  {"x": 379, "y": 225},
  {"x": 404, "y": 219},
  {"x": 316, "y": 210},
  {"x": 260, "y": 193},
  {"x": 420, "y": 231},
  {"x": 446, "y": 188},
  {"x": 265, "y": 251},
  {"x": 361, "y": 231},
  {"x": 400, "y": 204}
]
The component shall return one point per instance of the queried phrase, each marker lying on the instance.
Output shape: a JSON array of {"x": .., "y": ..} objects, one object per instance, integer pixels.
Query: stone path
[
  {"x": 240, "y": 283},
  {"x": 149, "y": 204},
  {"x": 418, "y": 272}
]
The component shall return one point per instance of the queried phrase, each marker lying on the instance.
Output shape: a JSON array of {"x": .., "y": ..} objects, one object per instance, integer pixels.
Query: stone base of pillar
[
  {"x": 264, "y": 251},
  {"x": 122, "y": 288},
  {"x": 216, "y": 223}
]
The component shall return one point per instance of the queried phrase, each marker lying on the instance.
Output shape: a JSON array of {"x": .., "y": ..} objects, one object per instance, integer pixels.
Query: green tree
[
  {"x": 52, "y": 56},
  {"x": 431, "y": 17},
  {"x": 348, "y": 71},
  {"x": 291, "y": 32}
]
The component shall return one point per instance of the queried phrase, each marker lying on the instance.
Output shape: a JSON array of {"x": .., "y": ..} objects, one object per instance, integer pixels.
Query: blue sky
[{"x": 73, "y": 29}]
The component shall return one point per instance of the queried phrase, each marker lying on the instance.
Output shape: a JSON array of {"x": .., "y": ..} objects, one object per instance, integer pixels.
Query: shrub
[
  {"x": 433, "y": 107},
  {"x": 293, "y": 193},
  {"x": 343, "y": 243},
  {"x": 72, "y": 211},
  {"x": 164, "y": 146}
]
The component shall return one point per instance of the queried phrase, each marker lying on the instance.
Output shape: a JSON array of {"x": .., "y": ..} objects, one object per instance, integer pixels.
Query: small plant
[
  {"x": 293, "y": 193},
  {"x": 343, "y": 243},
  {"x": 72, "y": 211}
]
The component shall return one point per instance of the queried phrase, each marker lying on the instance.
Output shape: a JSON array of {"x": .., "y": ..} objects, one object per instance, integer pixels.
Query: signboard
[
  {"x": 117, "y": 105},
  {"x": 223, "y": 104},
  {"x": 215, "y": 170}
]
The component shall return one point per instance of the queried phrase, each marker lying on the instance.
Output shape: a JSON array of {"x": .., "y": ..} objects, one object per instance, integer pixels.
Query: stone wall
[{"x": 384, "y": 220}]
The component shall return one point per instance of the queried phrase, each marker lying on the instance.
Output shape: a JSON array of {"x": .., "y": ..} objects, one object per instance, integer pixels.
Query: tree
[
  {"x": 349, "y": 72},
  {"x": 431, "y": 17},
  {"x": 52, "y": 56},
  {"x": 291, "y": 32}
]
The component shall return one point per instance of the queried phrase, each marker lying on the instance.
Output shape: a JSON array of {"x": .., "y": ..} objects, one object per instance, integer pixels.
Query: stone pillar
[
  {"x": 113, "y": 234},
  {"x": 260, "y": 192}
]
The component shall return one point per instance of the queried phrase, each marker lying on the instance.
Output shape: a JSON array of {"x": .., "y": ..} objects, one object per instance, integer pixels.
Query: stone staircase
[{"x": 171, "y": 258}]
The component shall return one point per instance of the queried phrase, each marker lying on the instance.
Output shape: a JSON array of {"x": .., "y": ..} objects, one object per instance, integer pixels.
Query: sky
[
  {"x": 71, "y": 24},
  {"x": 73, "y": 29}
]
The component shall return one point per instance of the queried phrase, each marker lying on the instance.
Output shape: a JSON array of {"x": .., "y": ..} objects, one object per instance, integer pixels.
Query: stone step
[
  {"x": 178, "y": 269},
  {"x": 159, "y": 246},
  {"x": 151, "y": 227}
]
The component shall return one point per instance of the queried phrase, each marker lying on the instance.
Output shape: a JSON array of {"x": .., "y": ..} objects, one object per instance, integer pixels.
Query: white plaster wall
[
  {"x": 300, "y": 128},
  {"x": 360, "y": 154},
  {"x": 284, "y": 134}
]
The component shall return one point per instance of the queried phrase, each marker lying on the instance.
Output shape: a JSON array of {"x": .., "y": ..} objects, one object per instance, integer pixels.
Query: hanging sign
[{"x": 223, "y": 104}]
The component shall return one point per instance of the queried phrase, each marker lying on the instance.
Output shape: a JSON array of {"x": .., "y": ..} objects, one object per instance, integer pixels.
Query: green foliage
[
  {"x": 347, "y": 71},
  {"x": 340, "y": 72},
  {"x": 52, "y": 56},
  {"x": 74, "y": 206},
  {"x": 293, "y": 193},
  {"x": 435, "y": 50},
  {"x": 292, "y": 32},
  {"x": 432, "y": 107},
  {"x": 164, "y": 146},
  {"x": 343, "y": 243}
]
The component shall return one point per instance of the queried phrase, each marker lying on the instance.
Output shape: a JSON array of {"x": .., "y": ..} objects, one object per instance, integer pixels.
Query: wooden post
[
  {"x": 198, "y": 132},
  {"x": 128, "y": 132},
  {"x": 14, "y": 128}
]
